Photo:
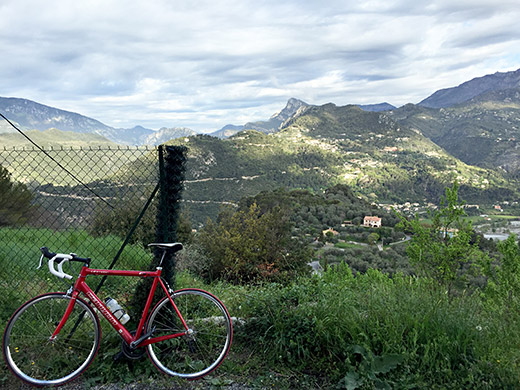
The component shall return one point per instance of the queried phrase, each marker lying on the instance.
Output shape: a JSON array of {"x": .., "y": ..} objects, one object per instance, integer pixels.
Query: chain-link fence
[{"x": 96, "y": 202}]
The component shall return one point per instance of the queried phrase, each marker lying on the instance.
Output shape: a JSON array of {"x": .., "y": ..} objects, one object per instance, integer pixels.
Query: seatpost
[{"x": 162, "y": 258}]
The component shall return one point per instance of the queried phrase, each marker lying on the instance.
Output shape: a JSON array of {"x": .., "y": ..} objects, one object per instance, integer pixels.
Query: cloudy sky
[{"x": 204, "y": 64}]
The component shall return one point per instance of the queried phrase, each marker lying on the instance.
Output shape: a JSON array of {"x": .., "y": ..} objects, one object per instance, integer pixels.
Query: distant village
[{"x": 418, "y": 208}]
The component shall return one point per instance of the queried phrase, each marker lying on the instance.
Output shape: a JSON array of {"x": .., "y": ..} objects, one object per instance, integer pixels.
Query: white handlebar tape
[{"x": 59, "y": 273}]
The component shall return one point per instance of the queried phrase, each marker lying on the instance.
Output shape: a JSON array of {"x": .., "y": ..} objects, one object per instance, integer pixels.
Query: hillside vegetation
[
  {"x": 379, "y": 158},
  {"x": 484, "y": 131}
]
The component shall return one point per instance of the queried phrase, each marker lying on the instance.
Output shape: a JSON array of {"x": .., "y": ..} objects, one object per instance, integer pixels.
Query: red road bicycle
[{"x": 52, "y": 338}]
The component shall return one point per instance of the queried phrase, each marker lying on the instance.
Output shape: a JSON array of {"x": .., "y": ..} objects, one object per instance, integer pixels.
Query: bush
[
  {"x": 193, "y": 259},
  {"x": 15, "y": 200},
  {"x": 248, "y": 245}
]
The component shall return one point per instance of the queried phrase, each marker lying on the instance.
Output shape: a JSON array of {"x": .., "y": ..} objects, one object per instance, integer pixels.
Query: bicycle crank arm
[{"x": 135, "y": 344}]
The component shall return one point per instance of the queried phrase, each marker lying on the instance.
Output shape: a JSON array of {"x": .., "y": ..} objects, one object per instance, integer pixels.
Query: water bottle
[{"x": 117, "y": 310}]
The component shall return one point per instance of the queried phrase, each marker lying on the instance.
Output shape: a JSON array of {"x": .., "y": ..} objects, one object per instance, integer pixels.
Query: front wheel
[
  {"x": 39, "y": 361},
  {"x": 203, "y": 346}
]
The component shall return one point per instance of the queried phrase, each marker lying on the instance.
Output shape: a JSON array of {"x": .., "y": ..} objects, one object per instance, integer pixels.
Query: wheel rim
[
  {"x": 194, "y": 355},
  {"x": 34, "y": 358}
]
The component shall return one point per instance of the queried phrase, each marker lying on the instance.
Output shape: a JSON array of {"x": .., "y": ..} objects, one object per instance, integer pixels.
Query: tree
[
  {"x": 373, "y": 238},
  {"x": 444, "y": 251},
  {"x": 247, "y": 245},
  {"x": 15, "y": 200}
]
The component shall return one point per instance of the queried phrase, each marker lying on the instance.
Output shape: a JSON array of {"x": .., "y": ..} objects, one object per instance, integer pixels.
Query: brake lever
[{"x": 41, "y": 262}]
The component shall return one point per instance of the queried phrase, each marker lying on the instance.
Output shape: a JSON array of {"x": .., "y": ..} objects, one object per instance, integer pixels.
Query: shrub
[
  {"x": 15, "y": 200},
  {"x": 445, "y": 251},
  {"x": 247, "y": 245}
]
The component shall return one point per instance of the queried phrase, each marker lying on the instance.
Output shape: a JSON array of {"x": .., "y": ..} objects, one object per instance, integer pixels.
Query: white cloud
[{"x": 203, "y": 64}]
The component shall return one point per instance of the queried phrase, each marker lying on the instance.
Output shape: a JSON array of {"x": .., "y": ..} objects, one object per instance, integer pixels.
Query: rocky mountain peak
[{"x": 292, "y": 106}]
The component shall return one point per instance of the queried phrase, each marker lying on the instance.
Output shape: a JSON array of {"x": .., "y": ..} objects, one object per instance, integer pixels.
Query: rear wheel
[
  {"x": 206, "y": 343},
  {"x": 33, "y": 357}
]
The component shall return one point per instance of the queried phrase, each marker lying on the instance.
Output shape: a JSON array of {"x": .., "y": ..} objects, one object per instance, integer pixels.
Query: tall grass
[{"x": 372, "y": 331}]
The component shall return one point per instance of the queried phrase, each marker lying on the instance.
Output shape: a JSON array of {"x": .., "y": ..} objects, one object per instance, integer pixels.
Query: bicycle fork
[{"x": 73, "y": 296}]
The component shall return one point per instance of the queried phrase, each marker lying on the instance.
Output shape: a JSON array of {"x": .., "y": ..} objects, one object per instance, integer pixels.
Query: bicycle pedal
[{"x": 118, "y": 356}]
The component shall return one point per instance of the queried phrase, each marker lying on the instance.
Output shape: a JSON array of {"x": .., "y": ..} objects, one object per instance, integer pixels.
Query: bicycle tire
[
  {"x": 197, "y": 354},
  {"x": 33, "y": 358}
]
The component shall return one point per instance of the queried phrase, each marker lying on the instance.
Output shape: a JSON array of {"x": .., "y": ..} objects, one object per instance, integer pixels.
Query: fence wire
[{"x": 87, "y": 209}]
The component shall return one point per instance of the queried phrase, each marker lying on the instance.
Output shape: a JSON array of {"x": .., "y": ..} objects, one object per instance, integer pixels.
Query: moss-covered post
[
  {"x": 172, "y": 165},
  {"x": 172, "y": 161}
]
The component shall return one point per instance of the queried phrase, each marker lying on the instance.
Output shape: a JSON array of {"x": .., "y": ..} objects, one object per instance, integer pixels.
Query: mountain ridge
[
  {"x": 483, "y": 131},
  {"x": 451, "y": 96},
  {"x": 272, "y": 125},
  {"x": 30, "y": 115}
]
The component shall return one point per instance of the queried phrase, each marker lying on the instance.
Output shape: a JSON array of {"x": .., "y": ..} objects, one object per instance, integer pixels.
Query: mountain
[
  {"x": 451, "y": 96},
  {"x": 29, "y": 115},
  {"x": 483, "y": 131},
  {"x": 54, "y": 138},
  {"x": 227, "y": 131},
  {"x": 293, "y": 107},
  {"x": 134, "y": 136},
  {"x": 379, "y": 157},
  {"x": 272, "y": 125},
  {"x": 377, "y": 107},
  {"x": 410, "y": 153},
  {"x": 165, "y": 134}
]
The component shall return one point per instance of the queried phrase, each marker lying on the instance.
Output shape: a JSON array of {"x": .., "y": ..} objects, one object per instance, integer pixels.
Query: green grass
[
  {"x": 20, "y": 254},
  {"x": 336, "y": 330},
  {"x": 344, "y": 245}
]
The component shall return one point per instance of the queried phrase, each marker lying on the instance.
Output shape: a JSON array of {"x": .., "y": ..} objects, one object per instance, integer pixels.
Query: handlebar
[{"x": 60, "y": 259}]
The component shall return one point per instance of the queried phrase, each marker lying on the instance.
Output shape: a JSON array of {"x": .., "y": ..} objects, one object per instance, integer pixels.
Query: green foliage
[
  {"x": 504, "y": 284},
  {"x": 391, "y": 261},
  {"x": 119, "y": 220},
  {"x": 444, "y": 251},
  {"x": 373, "y": 238},
  {"x": 344, "y": 331},
  {"x": 481, "y": 131},
  {"x": 15, "y": 200},
  {"x": 372, "y": 331},
  {"x": 193, "y": 259},
  {"x": 20, "y": 280},
  {"x": 248, "y": 245},
  {"x": 367, "y": 369},
  {"x": 310, "y": 213}
]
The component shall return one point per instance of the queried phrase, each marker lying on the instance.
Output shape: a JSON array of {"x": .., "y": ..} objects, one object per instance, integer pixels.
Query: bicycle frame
[{"x": 80, "y": 286}]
